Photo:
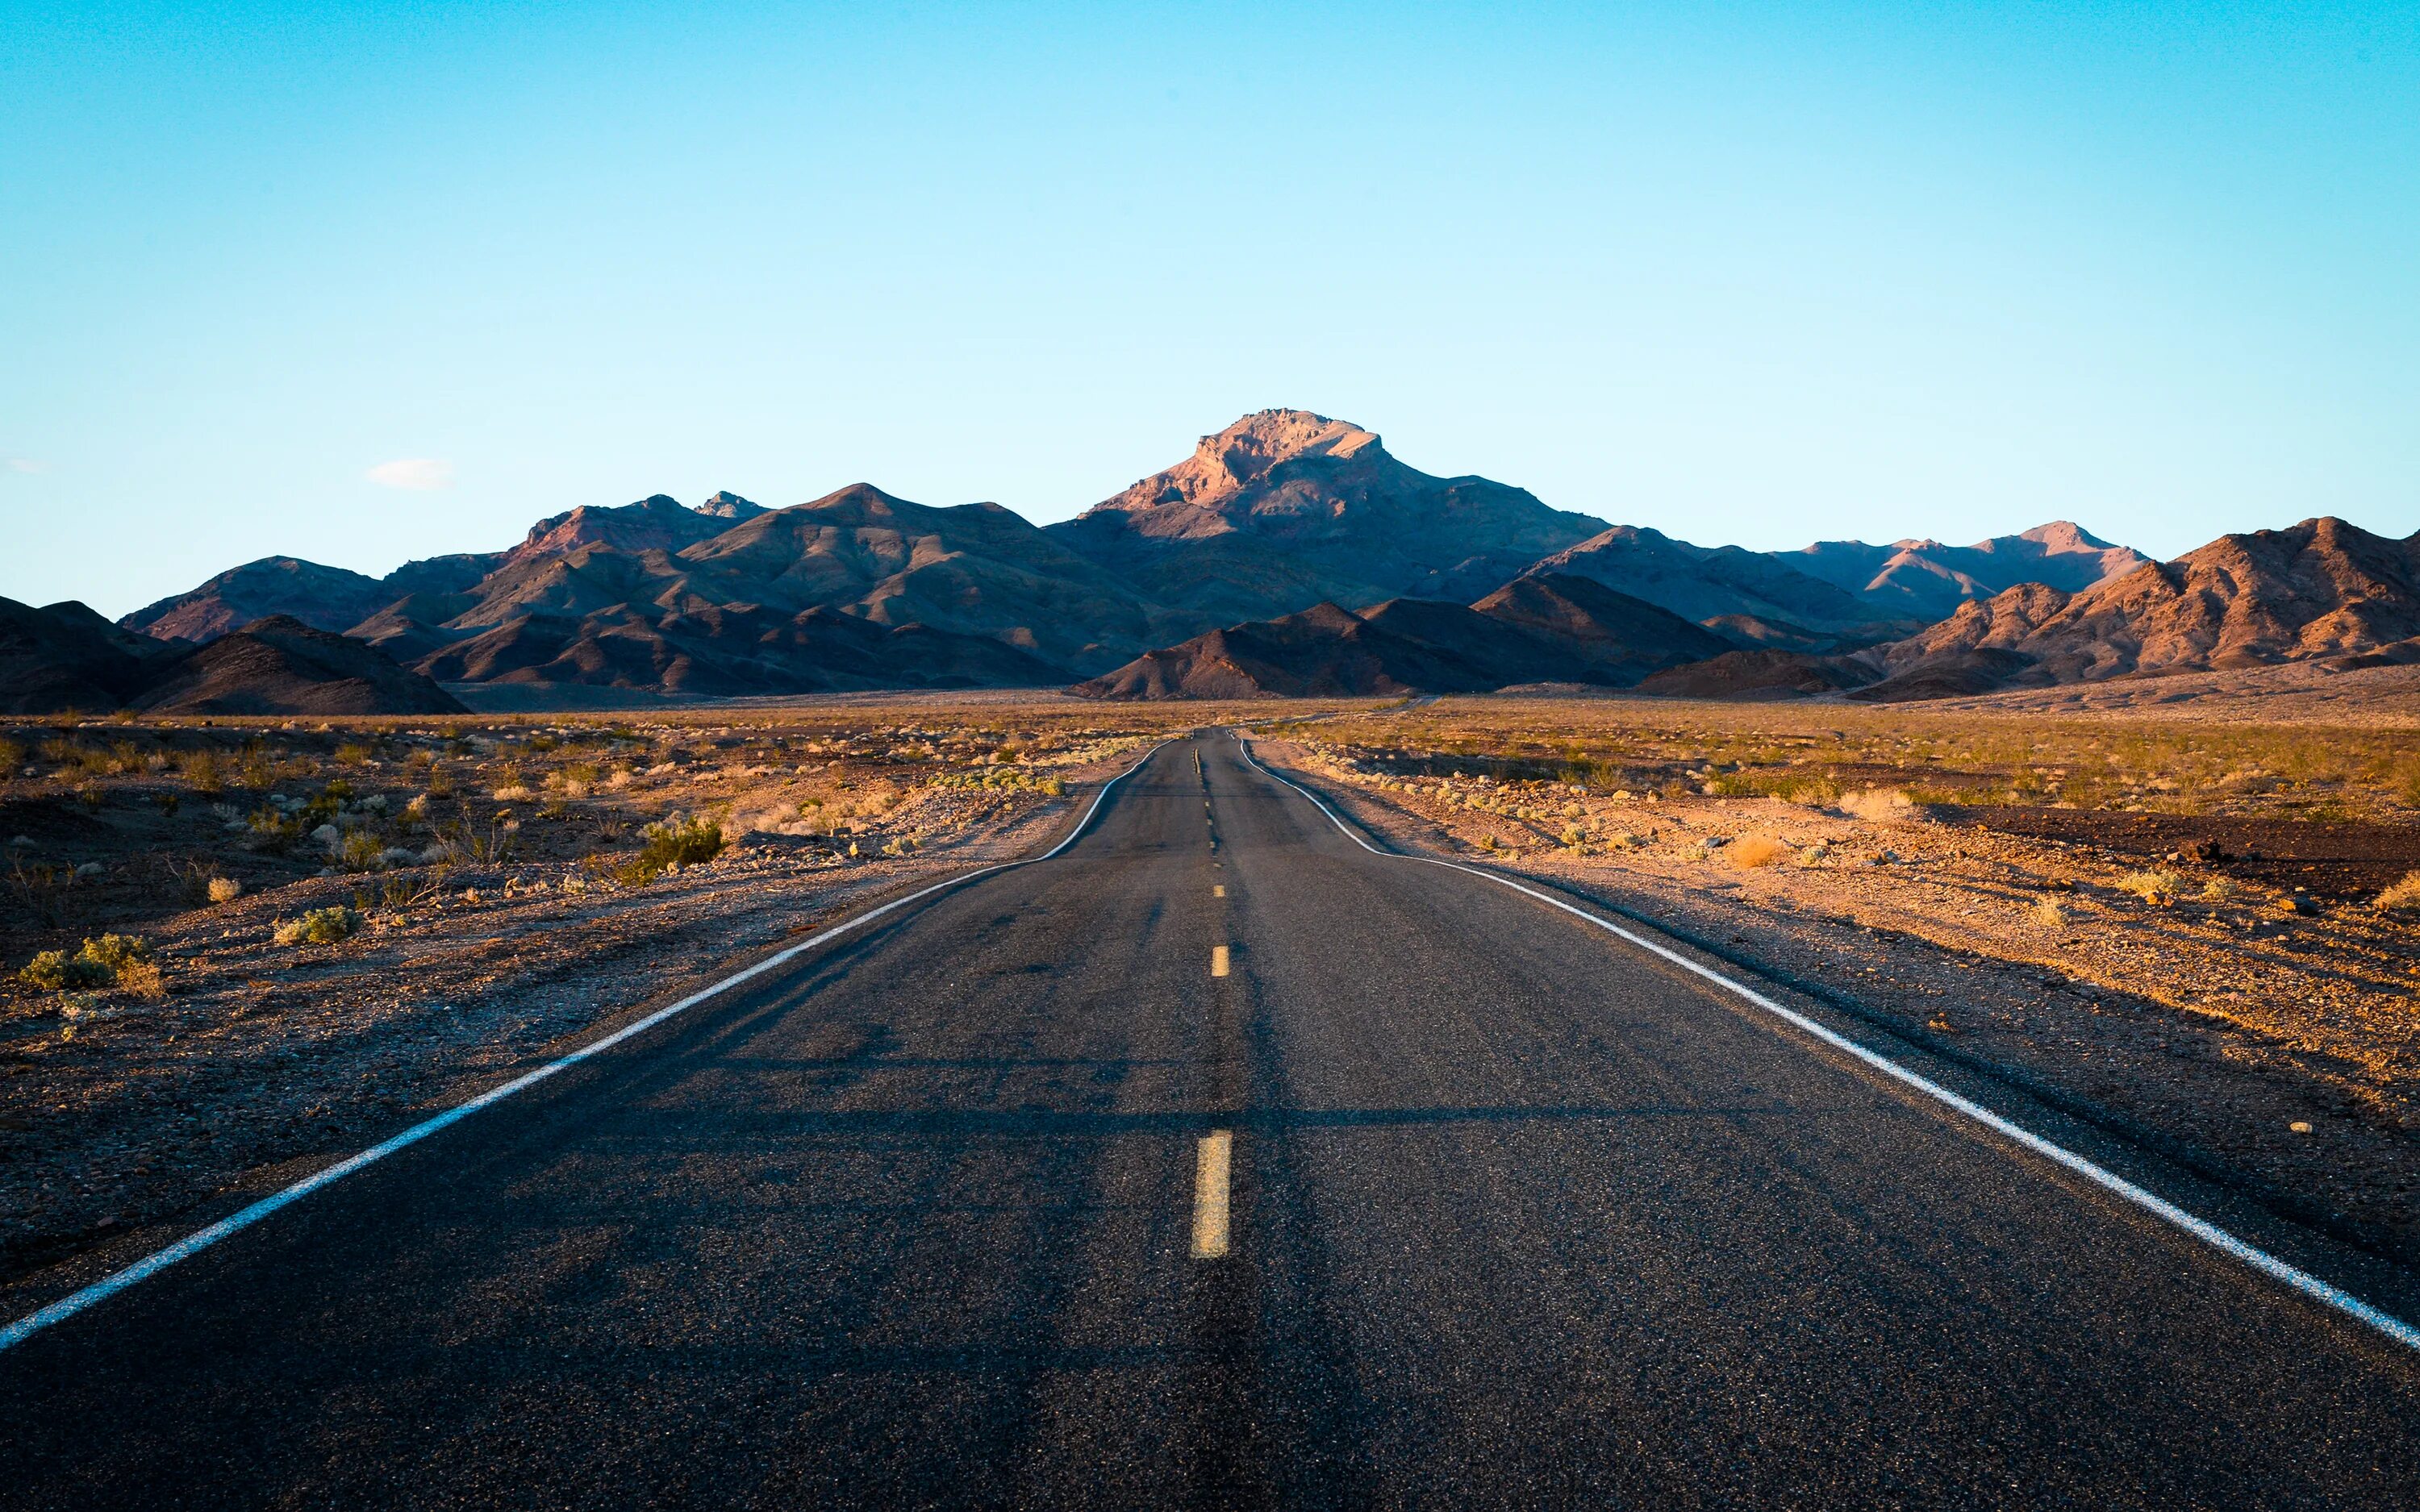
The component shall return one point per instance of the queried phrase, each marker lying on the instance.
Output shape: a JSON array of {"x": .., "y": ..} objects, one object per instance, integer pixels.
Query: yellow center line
[
  {"x": 1217, "y": 889},
  {"x": 1217, "y": 961},
  {"x": 1212, "y": 1157}
]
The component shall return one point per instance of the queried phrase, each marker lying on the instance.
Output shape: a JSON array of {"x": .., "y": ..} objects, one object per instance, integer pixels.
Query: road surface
[{"x": 1215, "y": 1161}]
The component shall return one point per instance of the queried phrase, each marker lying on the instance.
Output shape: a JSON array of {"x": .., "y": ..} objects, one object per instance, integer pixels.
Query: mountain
[
  {"x": 328, "y": 598},
  {"x": 1533, "y": 630},
  {"x": 1926, "y": 581},
  {"x": 1285, "y": 508},
  {"x": 657, "y": 523},
  {"x": 2320, "y": 589},
  {"x": 65, "y": 656},
  {"x": 1289, "y": 551},
  {"x": 1757, "y": 599}
]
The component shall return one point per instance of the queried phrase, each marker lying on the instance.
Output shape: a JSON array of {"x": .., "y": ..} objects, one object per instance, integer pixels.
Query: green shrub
[
  {"x": 118, "y": 951},
  {"x": 110, "y": 960},
  {"x": 320, "y": 926},
  {"x": 362, "y": 850},
  {"x": 273, "y": 830},
  {"x": 203, "y": 769},
  {"x": 56, "y": 971}
]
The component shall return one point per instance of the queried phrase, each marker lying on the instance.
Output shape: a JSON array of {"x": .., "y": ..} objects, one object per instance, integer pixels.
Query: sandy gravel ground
[
  {"x": 2273, "y": 1049},
  {"x": 137, "y": 1122}
]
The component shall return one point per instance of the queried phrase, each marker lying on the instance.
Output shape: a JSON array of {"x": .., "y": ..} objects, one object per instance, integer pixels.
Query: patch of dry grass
[{"x": 1755, "y": 851}]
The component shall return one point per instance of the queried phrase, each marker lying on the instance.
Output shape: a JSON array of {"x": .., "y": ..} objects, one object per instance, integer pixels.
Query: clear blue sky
[{"x": 1746, "y": 273}]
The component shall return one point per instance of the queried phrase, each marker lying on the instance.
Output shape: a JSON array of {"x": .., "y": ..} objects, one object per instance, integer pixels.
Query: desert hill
[
  {"x": 2323, "y": 589},
  {"x": 329, "y": 598},
  {"x": 1535, "y": 629},
  {"x": 280, "y": 664},
  {"x": 2320, "y": 589}
]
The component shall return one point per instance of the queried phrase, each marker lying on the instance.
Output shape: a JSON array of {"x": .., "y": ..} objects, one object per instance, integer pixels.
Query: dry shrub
[
  {"x": 2047, "y": 913},
  {"x": 2161, "y": 886},
  {"x": 1877, "y": 805},
  {"x": 2404, "y": 897},
  {"x": 225, "y": 890},
  {"x": 1758, "y": 850}
]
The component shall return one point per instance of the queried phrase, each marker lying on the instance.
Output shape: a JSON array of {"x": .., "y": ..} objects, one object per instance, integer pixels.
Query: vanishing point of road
[{"x": 1214, "y": 1161}]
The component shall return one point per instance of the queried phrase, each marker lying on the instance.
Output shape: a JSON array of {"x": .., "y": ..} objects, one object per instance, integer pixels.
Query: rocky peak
[
  {"x": 724, "y": 505},
  {"x": 1247, "y": 450},
  {"x": 2059, "y": 537}
]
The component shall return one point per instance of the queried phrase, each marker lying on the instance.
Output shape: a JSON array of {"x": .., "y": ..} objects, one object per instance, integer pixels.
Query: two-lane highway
[{"x": 1215, "y": 1161}]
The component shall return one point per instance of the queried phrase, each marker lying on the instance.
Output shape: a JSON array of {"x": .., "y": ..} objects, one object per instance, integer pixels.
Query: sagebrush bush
[
  {"x": 225, "y": 890},
  {"x": 320, "y": 926},
  {"x": 109, "y": 960},
  {"x": 56, "y": 971},
  {"x": 362, "y": 850},
  {"x": 2404, "y": 897},
  {"x": 678, "y": 840}
]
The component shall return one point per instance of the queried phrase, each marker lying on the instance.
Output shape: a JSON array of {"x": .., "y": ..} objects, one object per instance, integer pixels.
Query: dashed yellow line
[
  {"x": 1217, "y": 889},
  {"x": 1217, "y": 961},
  {"x": 1212, "y": 1158}
]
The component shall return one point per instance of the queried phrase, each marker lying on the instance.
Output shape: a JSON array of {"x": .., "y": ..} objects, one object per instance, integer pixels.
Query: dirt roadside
[
  {"x": 127, "y": 1129},
  {"x": 2266, "y": 1041}
]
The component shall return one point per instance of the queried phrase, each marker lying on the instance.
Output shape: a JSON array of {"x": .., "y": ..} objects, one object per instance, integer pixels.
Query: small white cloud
[
  {"x": 27, "y": 464},
  {"x": 421, "y": 474}
]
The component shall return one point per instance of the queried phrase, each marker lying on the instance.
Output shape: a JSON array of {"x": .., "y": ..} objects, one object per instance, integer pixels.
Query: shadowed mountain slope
[
  {"x": 720, "y": 653},
  {"x": 65, "y": 656},
  {"x": 1768, "y": 600},
  {"x": 1537, "y": 629},
  {"x": 68, "y": 657},
  {"x": 280, "y": 664}
]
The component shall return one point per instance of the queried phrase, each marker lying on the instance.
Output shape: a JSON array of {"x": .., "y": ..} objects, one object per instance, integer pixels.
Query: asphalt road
[{"x": 1518, "y": 1215}]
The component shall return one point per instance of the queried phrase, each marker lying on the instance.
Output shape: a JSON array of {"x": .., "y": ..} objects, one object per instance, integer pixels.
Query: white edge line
[
  {"x": 194, "y": 1243},
  {"x": 2201, "y": 1228}
]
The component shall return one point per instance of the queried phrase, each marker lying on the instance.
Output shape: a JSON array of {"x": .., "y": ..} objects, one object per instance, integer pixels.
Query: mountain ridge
[{"x": 1279, "y": 513}]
